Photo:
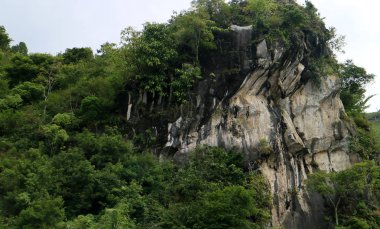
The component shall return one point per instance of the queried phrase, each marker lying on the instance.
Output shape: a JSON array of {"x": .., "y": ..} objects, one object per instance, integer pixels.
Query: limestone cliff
[{"x": 263, "y": 100}]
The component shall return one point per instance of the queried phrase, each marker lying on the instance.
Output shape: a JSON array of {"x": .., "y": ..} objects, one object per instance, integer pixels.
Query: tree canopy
[
  {"x": 352, "y": 195},
  {"x": 72, "y": 155}
]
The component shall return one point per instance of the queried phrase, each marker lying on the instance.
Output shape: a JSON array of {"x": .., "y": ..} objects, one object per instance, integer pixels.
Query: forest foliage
[{"x": 67, "y": 159}]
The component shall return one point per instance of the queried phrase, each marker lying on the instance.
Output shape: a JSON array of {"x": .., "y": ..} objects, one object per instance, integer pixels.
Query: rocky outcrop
[
  {"x": 262, "y": 99},
  {"x": 271, "y": 99}
]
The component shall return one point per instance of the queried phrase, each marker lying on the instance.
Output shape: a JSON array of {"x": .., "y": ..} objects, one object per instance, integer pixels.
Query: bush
[
  {"x": 44, "y": 213},
  {"x": 66, "y": 120},
  {"x": 54, "y": 137},
  {"x": 29, "y": 91}
]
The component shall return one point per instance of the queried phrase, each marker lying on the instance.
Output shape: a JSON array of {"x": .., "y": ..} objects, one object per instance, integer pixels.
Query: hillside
[{"x": 230, "y": 115}]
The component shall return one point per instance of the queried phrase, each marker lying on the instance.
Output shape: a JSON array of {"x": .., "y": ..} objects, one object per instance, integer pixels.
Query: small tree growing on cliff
[
  {"x": 184, "y": 80},
  {"x": 349, "y": 191},
  {"x": 354, "y": 80},
  {"x": 328, "y": 186}
]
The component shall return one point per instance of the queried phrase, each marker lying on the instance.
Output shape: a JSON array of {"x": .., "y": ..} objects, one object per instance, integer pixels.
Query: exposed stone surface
[
  {"x": 252, "y": 92},
  {"x": 299, "y": 118}
]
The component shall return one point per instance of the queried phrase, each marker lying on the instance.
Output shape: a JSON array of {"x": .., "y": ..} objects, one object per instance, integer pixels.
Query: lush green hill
[{"x": 71, "y": 157}]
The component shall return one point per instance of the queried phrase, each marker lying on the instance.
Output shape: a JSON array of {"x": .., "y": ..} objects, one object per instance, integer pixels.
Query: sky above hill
[{"x": 51, "y": 26}]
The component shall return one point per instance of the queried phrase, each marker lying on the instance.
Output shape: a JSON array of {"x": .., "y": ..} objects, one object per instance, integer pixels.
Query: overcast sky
[{"x": 51, "y": 26}]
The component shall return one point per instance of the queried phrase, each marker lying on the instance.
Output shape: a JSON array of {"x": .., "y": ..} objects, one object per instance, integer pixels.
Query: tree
[
  {"x": 41, "y": 214},
  {"x": 66, "y": 153},
  {"x": 354, "y": 80},
  {"x": 105, "y": 148},
  {"x": 11, "y": 102},
  {"x": 113, "y": 218},
  {"x": 112, "y": 149},
  {"x": 4, "y": 39},
  {"x": 194, "y": 30},
  {"x": 29, "y": 91},
  {"x": 230, "y": 207},
  {"x": 75, "y": 55},
  {"x": 264, "y": 14},
  {"x": 207, "y": 168},
  {"x": 213, "y": 191},
  {"x": 19, "y": 123},
  {"x": 184, "y": 80},
  {"x": 24, "y": 179},
  {"x": 82, "y": 222},
  {"x": 238, "y": 14},
  {"x": 151, "y": 53},
  {"x": 91, "y": 109},
  {"x": 364, "y": 142},
  {"x": 75, "y": 181},
  {"x": 66, "y": 120},
  {"x": 262, "y": 9},
  {"x": 329, "y": 187},
  {"x": 55, "y": 137},
  {"x": 218, "y": 10},
  {"x": 350, "y": 190},
  {"x": 294, "y": 17},
  {"x": 116, "y": 218},
  {"x": 49, "y": 66},
  {"x": 22, "y": 69},
  {"x": 20, "y": 48},
  {"x": 4, "y": 87}
]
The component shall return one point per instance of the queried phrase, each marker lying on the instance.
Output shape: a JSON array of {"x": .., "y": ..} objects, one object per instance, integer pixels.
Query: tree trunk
[
  {"x": 197, "y": 44},
  {"x": 336, "y": 215},
  {"x": 336, "y": 212},
  {"x": 47, "y": 89},
  {"x": 335, "y": 206}
]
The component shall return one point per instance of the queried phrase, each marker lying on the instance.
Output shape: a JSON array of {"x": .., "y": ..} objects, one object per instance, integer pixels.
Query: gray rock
[
  {"x": 262, "y": 50},
  {"x": 258, "y": 93},
  {"x": 300, "y": 120}
]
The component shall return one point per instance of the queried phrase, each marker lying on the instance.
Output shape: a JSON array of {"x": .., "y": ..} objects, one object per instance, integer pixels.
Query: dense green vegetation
[
  {"x": 352, "y": 196},
  {"x": 354, "y": 80},
  {"x": 104, "y": 183},
  {"x": 68, "y": 159}
]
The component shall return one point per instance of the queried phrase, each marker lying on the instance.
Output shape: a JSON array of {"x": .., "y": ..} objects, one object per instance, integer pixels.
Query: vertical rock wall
[{"x": 274, "y": 103}]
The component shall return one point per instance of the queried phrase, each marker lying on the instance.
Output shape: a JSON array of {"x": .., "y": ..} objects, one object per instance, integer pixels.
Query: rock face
[
  {"x": 270, "y": 101},
  {"x": 263, "y": 100}
]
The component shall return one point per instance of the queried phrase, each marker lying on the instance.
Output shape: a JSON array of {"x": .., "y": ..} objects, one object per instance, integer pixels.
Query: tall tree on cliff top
[
  {"x": 151, "y": 53},
  {"x": 4, "y": 39},
  {"x": 353, "y": 87},
  {"x": 194, "y": 30}
]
